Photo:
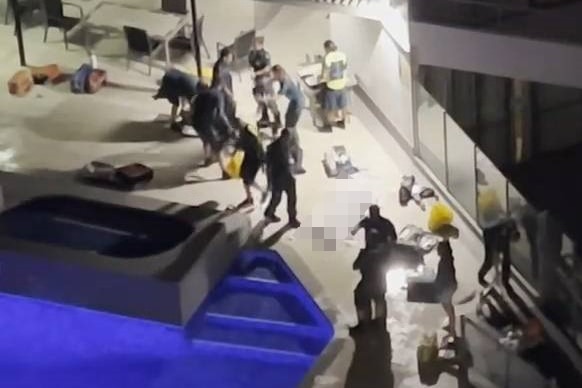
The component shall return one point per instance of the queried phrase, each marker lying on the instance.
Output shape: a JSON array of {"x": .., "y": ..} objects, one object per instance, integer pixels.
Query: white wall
[
  {"x": 389, "y": 85},
  {"x": 355, "y": 36},
  {"x": 224, "y": 20},
  {"x": 499, "y": 55}
]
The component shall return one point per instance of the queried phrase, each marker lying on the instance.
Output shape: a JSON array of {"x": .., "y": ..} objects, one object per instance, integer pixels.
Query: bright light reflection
[{"x": 397, "y": 279}]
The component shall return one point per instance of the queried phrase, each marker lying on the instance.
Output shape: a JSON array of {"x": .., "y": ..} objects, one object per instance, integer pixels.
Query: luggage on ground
[
  {"x": 80, "y": 79},
  {"x": 96, "y": 80},
  {"x": 43, "y": 74},
  {"x": 21, "y": 83},
  {"x": 135, "y": 173}
]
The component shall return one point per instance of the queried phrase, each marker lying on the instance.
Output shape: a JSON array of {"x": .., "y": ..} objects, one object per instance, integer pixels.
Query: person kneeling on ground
[
  {"x": 281, "y": 180},
  {"x": 209, "y": 120},
  {"x": 253, "y": 160},
  {"x": 179, "y": 88}
]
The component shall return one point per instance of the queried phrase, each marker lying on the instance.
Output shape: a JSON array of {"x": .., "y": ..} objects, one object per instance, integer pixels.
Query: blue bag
[{"x": 80, "y": 78}]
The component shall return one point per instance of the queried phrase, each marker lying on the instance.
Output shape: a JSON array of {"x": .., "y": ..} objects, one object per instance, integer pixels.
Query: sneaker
[
  {"x": 294, "y": 223},
  {"x": 272, "y": 219},
  {"x": 341, "y": 124},
  {"x": 189, "y": 131}
]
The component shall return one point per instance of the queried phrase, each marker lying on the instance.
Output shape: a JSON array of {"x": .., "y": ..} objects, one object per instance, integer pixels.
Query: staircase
[{"x": 260, "y": 310}]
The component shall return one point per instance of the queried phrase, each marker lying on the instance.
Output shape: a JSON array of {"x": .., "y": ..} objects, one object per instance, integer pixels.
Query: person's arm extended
[{"x": 357, "y": 228}]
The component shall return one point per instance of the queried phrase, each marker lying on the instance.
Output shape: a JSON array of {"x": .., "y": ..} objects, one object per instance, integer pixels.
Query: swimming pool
[{"x": 258, "y": 328}]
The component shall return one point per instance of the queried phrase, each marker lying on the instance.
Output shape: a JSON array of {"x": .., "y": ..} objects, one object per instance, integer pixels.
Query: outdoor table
[{"x": 160, "y": 26}]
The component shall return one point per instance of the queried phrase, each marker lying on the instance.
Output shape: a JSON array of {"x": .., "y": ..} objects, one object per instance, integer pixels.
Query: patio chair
[
  {"x": 55, "y": 17},
  {"x": 175, "y": 6},
  {"x": 24, "y": 5},
  {"x": 241, "y": 48},
  {"x": 139, "y": 44}
]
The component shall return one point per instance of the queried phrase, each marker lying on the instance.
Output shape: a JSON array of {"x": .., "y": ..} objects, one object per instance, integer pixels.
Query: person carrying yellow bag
[{"x": 246, "y": 161}]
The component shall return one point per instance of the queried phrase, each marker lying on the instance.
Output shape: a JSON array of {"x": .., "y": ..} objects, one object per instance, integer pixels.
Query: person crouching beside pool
[{"x": 179, "y": 88}]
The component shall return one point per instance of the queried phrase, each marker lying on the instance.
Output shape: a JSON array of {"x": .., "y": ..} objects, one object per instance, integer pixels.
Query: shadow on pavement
[{"x": 371, "y": 362}]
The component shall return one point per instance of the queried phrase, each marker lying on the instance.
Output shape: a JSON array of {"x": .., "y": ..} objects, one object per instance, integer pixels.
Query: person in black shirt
[
  {"x": 281, "y": 180},
  {"x": 209, "y": 120},
  {"x": 222, "y": 80},
  {"x": 446, "y": 283},
  {"x": 254, "y": 157},
  {"x": 379, "y": 230},
  {"x": 497, "y": 240},
  {"x": 179, "y": 88},
  {"x": 260, "y": 62},
  {"x": 372, "y": 263}
]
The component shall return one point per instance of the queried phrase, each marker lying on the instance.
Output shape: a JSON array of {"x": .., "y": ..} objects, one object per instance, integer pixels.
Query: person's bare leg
[
  {"x": 173, "y": 114},
  {"x": 450, "y": 311},
  {"x": 248, "y": 193}
]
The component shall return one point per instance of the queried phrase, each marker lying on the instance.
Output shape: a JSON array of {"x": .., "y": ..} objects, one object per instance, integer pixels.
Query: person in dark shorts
[
  {"x": 222, "y": 80},
  {"x": 497, "y": 239},
  {"x": 179, "y": 88},
  {"x": 290, "y": 89},
  {"x": 379, "y": 230},
  {"x": 253, "y": 160},
  {"x": 446, "y": 283},
  {"x": 334, "y": 74},
  {"x": 209, "y": 120},
  {"x": 281, "y": 180},
  {"x": 371, "y": 290},
  {"x": 260, "y": 62}
]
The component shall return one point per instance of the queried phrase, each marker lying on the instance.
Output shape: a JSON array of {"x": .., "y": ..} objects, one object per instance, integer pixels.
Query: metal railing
[{"x": 501, "y": 366}]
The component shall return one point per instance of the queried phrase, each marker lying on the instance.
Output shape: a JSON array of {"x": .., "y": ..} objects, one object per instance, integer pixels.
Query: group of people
[
  {"x": 208, "y": 105},
  {"x": 373, "y": 260}
]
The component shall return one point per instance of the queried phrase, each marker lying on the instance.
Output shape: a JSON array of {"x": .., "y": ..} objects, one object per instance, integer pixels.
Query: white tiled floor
[{"x": 52, "y": 132}]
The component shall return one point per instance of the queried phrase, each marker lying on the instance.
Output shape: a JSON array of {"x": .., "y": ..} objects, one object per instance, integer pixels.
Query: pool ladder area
[{"x": 260, "y": 309}]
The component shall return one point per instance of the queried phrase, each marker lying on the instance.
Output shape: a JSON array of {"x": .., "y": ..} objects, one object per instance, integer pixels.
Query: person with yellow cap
[{"x": 334, "y": 75}]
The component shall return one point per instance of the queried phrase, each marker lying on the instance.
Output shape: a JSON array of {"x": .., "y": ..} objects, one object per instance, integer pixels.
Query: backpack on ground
[{"x": 80, "y": 79}]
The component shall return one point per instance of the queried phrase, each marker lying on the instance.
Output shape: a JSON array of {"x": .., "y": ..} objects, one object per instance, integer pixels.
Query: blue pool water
[{"x": 259, "y": 321}]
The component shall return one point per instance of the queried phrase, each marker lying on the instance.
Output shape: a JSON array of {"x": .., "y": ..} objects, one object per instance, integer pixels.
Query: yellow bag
[
  {"x": 440, "y": 215},
  {"x": 234, "y": 164}
]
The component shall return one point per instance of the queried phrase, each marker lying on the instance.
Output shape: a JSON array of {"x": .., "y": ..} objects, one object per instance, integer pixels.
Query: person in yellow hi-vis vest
[{"x": 334, "y": 75}]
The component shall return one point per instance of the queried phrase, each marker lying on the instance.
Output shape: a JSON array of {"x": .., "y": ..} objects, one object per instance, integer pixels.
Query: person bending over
[{"x": 179, "y": 88}]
